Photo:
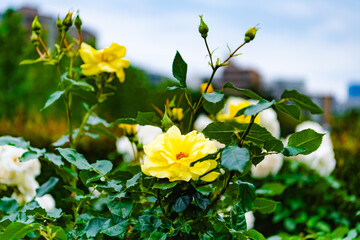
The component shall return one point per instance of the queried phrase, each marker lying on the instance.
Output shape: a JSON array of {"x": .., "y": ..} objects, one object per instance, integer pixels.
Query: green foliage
[{"x": 179, "y": 69}]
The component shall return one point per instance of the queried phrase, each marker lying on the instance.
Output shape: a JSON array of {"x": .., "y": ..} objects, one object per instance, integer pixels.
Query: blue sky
[{"x": 317, "y": 41}]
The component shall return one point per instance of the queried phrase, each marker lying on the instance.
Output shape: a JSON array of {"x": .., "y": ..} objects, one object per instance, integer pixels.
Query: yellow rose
[
  {"x": 177, "y": 114},
  {"x": 170, "y": 154},
  {"x": 232, "y": 106},
  {"x": 105, "y": 60}
]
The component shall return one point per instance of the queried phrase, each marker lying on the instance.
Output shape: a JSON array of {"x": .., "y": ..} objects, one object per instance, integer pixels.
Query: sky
[{"x": 317, "y": 41}]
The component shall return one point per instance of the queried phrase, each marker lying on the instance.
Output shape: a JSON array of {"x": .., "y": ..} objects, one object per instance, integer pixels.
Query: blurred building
[
  {"x": 277, "y": 87},
  {"x": 353, "y": 101},
  {"x": 241, "y": 78}
]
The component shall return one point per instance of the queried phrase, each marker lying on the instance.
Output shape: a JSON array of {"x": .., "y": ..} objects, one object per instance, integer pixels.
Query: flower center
[{"x": 181, "y": 155}]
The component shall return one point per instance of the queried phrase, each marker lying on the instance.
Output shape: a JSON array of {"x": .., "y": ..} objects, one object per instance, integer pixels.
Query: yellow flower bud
[
  {"x": 203, "y": 87},
  {"x": 250, "y": 34},
  {"x": 67, "y": 22},
  {"x": 203, "y": 28},
  {"x": 129, "y": 129},
  {"x": 36, "y": 26}
]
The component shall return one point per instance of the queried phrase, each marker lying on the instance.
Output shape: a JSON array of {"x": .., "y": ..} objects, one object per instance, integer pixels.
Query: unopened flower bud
[
  {"x": 177, "y": 114},
  {"x": 67, "y": 22},
  {"x": 203, "y": 28},
  {"x": 36, "y": 26},
  {"x": 59, "y": 24},
  {"x": 34, "y": 39},
  {"x": 78, "y": 22},
  {"x": 250, "y": 34},
  {"x": 166, "y": 122},
  {"x": 203, "y": 87}
]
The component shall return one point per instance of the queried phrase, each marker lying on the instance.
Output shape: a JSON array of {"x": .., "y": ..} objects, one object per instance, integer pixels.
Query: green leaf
[
  {"x": 164, "y": 184},
  {"x": 149, "y": 223},
  {"x": 124, "y": 120},
  {"x": 214, "y": 97},
  {"x": 289, "y": 151},
  {"x": 255, "y": 109},
  {"x": 302, "y": 100},
  {"x": 175, "y": 87},
  {"x": 32, "y": 154},
  {"x": 339, "y": 232},
  {"x": 258, "y": 134},
  {"x": 235, "y": 158},
  {"x": 274, "y": 188},
  {"x": 93, "y": 227},
  {"x": 17, "y": 230},
  {"x": 182, "y": 203},
  {"x": 132, "y": 182},
  {"x": 255, "y": 235},
  {"x": 158, "y": 236},
  {"x": 264, "y": 206},
  {"x": 237, "y": 218},
  {"x": 55, "y": 159},
  {"x": 30, "y": 61},
  {"x": 95, "y": 120},
  {"x": 81, "y": 84},
  {"x": 307, "y": 138},
  {"x": 220, "y": 131},
  {"x": 117, "y": 229},
  {"x": 120, "y": 207},
  {"x": 201, "y": 200},
  {"x": 293, "y": 110},
  {"x": 148, "y": 118},
  {"x": 179, "y": 69},
  {"x": 246, "y": 195},
  {"x": 103, "y": 166},
  {"x": 46, "y": 187},
  {"x": 273, "y": 145},
  {"x": 52, "y": 98},
  {"x": 57, "y": 233},
  {"x": 14, "y": 141},
  {"x": 8, "y": 205},
  {"x": 72, "y": 156},
  {"x": 245, "y": 92}
]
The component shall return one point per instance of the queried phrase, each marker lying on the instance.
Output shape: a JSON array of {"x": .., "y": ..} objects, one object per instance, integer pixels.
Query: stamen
[{"x": 181, "y": 155}]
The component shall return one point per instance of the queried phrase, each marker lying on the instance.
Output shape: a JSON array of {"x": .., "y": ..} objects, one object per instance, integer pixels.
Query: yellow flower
[
  {"x": 203, "y": 87},
  {"x": 177, "y": 114},
  {"x": 129, "y": 129},
  {"x": 231, "y": 108},
  {"x": 170, "y": 154},
  {"x": 105, "y": 60}
]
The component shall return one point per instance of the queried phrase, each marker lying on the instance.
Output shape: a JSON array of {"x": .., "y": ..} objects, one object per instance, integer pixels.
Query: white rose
[
  {"x": 47, "y": 202},
  {"x": 126, "y": 148},
  {"x": 250, "y": 220},
  {"x": 271, "y": 164},
  {"x": 201, "y": 122},
  {"x": 147, "y": 133}
]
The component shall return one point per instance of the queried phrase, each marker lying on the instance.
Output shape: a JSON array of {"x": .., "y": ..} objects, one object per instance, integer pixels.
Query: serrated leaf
[
  {"x": 120, "y": 207},
  {"x": 55, "y": 159},
  {"x": 302, "y": 100},
  {"x": 8, "y": 205},
  {"x": 179, "y": 69},
  {"x": 289, "y": 151},
  {"x": 255, "y": 235},
  {"x": 182, "y": 203},
  {"x": 116, "y": 229},
  {"x": 46, "y": 187},
  {"x": 264, "y": 206},
  {"x": 258, "y": 134},
  {"x": 158, "y": 236},
  {"x": 214, "y": 97},
  {"x": 237, "y": 218},
  {"x": 72, "y": 156},
  {"x": 245, "y": 92},
  {"x": 255, "y": 109},
  {"x": 132, "y": 182},
  {"x": 235, "y": 158},
  {"x": 93, "y": 227},
  {"x": 293, "y": 110},
  {"x": 306, "y": 138},
  {"x": 57, "y": 233},
  {"x": 201, "y": 200},
  {"x": 17, "y": 230},
  {"x": 220, "y": 131},
  {"x": 81, "y": 84},
  {"x": 164, "y": 185},
  {"x": 14, "y": 141},
  {"x": 273, "y": 145},
  {"x": 103, "y": 166},
  {"x": 32, "y": 154},
  {"x": 246, "y": 195},
  {"x": 52, "y": 98},
  {"x": 214, "y": 108}
]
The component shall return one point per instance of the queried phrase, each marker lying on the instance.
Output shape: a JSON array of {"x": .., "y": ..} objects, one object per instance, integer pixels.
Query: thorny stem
[{"x": 210, "y": 54}]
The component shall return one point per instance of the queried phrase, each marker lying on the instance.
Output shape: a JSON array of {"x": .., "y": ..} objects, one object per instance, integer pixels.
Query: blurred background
[{"x": 310, "y": 46}]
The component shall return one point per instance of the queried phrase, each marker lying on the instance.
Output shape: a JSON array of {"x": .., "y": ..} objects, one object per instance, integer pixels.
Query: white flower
[
  {"x": 147, "y": 133},
  {"x": 127, "y": 148},
  {"x": 47, "y": 202},
  {"x": 271, "y": 164},
  {"x": 19, "y": 174},
  {"x": 250, "y": 219},
  {"x": 201, "y": 122},
  {"x": 323, "y": 159}
]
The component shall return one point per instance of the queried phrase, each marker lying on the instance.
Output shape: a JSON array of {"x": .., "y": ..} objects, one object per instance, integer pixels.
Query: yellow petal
[
  {"x": 120, "y": 75},
  {"x": 90, "y": 69},
  {"x": 210, "y": 177}
]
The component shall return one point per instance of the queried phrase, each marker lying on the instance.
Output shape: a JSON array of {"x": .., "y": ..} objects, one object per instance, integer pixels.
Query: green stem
[
  {"x": 233, "y": 53},
  {"x": 210, "y": 54},
  {"x": 83, "y": 124},
  {"x": 252, "y": 120}
]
